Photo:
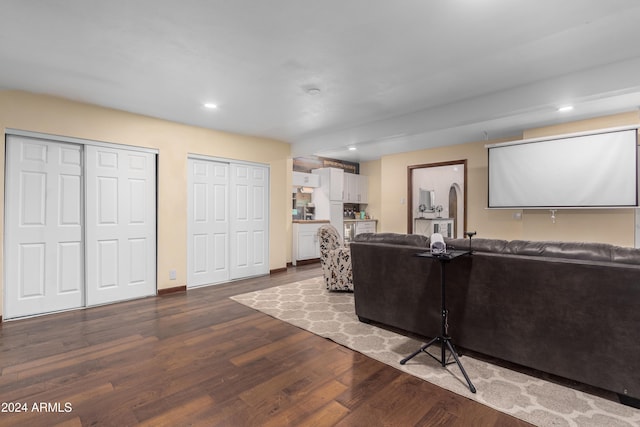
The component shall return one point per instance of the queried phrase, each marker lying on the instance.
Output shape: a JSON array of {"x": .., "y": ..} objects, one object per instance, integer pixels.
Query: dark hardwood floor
[{"x": 199, "y": 358}]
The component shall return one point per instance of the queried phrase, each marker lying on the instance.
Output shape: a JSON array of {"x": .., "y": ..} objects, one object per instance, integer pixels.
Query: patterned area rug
[{"x": 308, "y": 305}]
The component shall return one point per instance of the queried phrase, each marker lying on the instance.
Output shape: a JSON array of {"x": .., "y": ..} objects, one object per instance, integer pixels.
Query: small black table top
[{"x": 445, "y": 256}]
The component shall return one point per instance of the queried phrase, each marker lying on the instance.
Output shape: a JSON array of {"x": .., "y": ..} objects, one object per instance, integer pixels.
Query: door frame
[{"x": 81, "y": 141}]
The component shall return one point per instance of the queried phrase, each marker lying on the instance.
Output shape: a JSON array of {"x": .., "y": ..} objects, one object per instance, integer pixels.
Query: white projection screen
[{"x": 597, "y": 170}]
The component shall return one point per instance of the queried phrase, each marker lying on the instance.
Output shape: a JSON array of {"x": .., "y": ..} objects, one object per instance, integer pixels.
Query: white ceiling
[{"x": 393, "y": 75}]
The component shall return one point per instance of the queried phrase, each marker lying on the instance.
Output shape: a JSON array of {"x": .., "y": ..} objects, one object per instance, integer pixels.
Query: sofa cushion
[
  {"x": 477, "y": 244},
  {"x": 394, "y": 238},
  {"x": 570, "y": 250},
  {"x": 625, "y": 255}
]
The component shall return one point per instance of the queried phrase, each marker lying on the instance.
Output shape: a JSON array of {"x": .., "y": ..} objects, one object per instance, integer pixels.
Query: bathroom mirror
[{"x": 426, "y": 202}]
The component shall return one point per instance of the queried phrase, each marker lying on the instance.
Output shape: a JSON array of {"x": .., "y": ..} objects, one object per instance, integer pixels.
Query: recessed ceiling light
[
  {"x": 210, "y": 105},
  {"x": 313, "y": 91},
  {"x": 565, "y": 108},
  {"x": 352, "y": 148}
]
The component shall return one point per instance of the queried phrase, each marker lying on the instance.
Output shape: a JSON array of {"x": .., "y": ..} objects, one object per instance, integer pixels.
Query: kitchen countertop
[
  {"x": 357, "y": 220},
  {"x": 310, "y": 221}
]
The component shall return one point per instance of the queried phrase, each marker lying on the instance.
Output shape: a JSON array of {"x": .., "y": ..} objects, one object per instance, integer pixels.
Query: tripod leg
[
  {"x": 466, "y": 377},
  {"x": 455, "y": 350},
  {"x": 415, "y": 353}
]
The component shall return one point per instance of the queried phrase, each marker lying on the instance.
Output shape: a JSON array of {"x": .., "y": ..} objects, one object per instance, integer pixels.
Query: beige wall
[
  {"x": 37, "y": 113},
  {"x": 389, "y": 174},
  {"x": 373, "y": 170}
]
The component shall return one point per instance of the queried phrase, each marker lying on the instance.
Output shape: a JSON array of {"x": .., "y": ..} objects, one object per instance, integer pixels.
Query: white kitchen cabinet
[
  {"x": 305, "y": 241},
  {"x": 301, "y": 179},
  {"x": 331, "y": 183},
  {"x": 328, "y": 197},
  {"x": 350, "y": 187},
  {"x": 356, "y": 188}
]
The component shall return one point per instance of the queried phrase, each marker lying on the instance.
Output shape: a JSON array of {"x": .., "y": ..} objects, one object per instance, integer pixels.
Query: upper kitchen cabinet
[
  {"x": 301, "y": 179},
  {"x": 356, "y": 188},
  {"x": 331, "y": 183}
]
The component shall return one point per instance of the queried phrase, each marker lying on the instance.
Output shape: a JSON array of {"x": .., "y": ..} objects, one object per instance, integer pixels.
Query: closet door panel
[
  {"x": 220, "y": 230},
  {"x": 121, "y": 228},
  {"x": 44, "y": 266},
  {"x": 208, "y": 222},
  {"x": 249, "y": 225}
]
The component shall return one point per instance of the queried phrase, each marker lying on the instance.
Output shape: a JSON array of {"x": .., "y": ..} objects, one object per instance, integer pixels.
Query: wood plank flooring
[{"x": 199, "y": 358}]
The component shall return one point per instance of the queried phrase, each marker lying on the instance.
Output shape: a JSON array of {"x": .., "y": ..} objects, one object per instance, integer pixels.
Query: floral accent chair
[{"x": 335, "y": 259}]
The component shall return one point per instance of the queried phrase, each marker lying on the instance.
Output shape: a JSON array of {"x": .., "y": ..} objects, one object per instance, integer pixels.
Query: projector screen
[{"x": 597, "y": 170}]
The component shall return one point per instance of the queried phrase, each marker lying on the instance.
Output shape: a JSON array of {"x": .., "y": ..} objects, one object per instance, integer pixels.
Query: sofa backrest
[
  {"x": 570, "y": 250},
  {"x": 477, "y": 244},
  {"x": 394, "y": 239},
  {"x": 585, "y": 251},
  {"x": 625, "y": 255}
]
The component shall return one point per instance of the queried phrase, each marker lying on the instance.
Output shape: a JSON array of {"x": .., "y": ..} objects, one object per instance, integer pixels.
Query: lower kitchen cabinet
[{"x": 306, "y": 244}]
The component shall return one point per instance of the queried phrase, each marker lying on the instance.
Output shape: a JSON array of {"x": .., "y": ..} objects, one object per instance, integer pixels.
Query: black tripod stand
[{"x": 444, "y": 339}]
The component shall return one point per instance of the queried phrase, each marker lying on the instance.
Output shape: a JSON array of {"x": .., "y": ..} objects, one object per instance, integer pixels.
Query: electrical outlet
[{"x": 172, "y": 275}]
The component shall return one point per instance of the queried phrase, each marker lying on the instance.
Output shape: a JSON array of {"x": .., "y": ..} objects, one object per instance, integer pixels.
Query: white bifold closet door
[
  {"x": 249, "y": 226},
  {"x": 44, "y": 252},
  {"x": 80, "y": 225},
  {"x": 208, "y": 224},
  {"x": 228, "y": 225},
  {"x": 121, "y": 224}
]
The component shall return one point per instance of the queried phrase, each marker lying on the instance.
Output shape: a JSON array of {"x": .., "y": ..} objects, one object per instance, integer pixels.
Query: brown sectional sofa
[{"x": 569, "y": 309}]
